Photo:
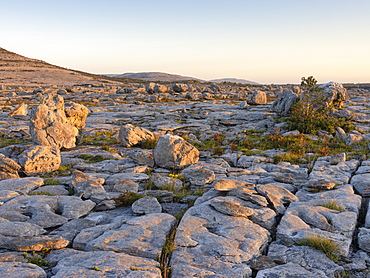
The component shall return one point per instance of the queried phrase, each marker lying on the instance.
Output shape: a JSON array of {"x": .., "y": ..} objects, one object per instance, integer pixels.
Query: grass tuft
[
  {"x": 334, "y": 205},
  {"x": 325, "y": 245}
]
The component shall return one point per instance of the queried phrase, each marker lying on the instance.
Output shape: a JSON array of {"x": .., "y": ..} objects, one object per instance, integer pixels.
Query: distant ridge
[
  {"x": 233, "y": 80},
  {"x": 17, "y": 70},
  {"x": 155, "y": 76}
]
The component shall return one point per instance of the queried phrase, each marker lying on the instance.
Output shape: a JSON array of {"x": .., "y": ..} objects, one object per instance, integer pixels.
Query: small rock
[{"x": 146, "y": 205}]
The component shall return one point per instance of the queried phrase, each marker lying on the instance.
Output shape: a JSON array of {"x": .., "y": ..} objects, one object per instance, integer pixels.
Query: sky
[{"x": 266, "y": 41}]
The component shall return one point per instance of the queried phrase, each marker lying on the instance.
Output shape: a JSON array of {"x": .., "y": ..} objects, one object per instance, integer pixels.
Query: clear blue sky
[{"x": 267, "y": 41}]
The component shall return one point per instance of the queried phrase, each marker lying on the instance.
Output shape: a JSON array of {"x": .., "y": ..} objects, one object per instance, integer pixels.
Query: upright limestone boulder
[
  {"x": 130, "y": 135},
  {"x": 21, "y": 109},
  {"x": 258, "y": 97},
  {"x": 49, "y": 125},
  {"x": 173, "y": 152},
  {"x": 39, "y": 160},
  {"x": 284, "y": 102},
  {"x": 77, "y": 113},
  {"x": 334, "y": 94}
]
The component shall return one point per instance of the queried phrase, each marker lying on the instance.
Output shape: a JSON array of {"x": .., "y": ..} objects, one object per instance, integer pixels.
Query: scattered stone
[
  {"x": 231, "y": 206},
  {"x": 284, "y": 102},
  {"x": 20, "y": 110},
  {"x": 36, "y": 243},
  {"x": 258, "y": 97},
  {"x": 17, "y": 270},
  {"x": 130, "y": 135},
  {"x": 8, "y": 168},
  {"x": 146, "y": 205},
  {"x": 173, "y": 152}
]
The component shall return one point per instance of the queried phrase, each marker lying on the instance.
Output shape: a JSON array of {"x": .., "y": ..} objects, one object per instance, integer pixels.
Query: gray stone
[
  {"x": 20, "y": 110},
  {"x": 18, "y": 229},
  {"x": 231, "y": 206},
  {"x": 21, "y": 185},
  {"x": 163, "y": 181},
  {"x": 24, "y": 270},
  {"x": 179, "y": 88},
  {"x": 136, "y": 177},
  {"x": 105, "y": 264},
  {"x": 284, "y": 102},
  {"x": 141, "y": 236},
  {"x": 247, "y": 194},
  {"x": 130, "y": 135},
  {"x": 36, "y": 243},
  {"x": 39, "y": 160},
  {"x": 70, "y": 229},
  {"x": 364, "y": 239},
  {"x": 211, "y": 243},
  {"x": 74, "y": 207},
  {"x": 288, "y": 270},
  {"x": 361, "y": 183},
  {"x": 173, "y": 152},
  {"x": 278, "y": 196},
  {"x": 146, "y": 205},
  {"x": 125, "y": 186}
]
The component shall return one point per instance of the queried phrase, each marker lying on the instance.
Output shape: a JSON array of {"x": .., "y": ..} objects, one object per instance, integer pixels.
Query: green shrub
[
  {"x": 127, "y": 199},
  {"x": 309, "y": 114}
]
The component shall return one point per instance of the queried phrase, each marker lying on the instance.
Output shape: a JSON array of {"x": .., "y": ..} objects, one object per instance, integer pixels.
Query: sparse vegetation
[
  {"x": 101, "y": 138},
  {"x": 127, "y": 199},
  {"x": 325, "y": 245},
  {"x": 7, "y": 141},
  {"x": 41, "y": 193},
  {"x": 37, "y": 258},
  {"x": 51, "y": 182},
  {"x": 149, "y": 143},
  {"x": 334, "y": 205},
  {"x": 92, "y": 158}
]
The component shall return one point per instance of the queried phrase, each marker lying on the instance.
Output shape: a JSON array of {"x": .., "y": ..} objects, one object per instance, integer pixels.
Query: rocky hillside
[{"x": 18, "y": 70}]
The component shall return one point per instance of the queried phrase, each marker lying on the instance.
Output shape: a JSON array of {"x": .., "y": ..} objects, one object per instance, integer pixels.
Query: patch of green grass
[
  {"x": 51, "y": 182},
  {"x": 108, "y": 149},
  {"x": 325, "y": 245},
  {"x": 100, "y": 139},
  {"x": 41, "y": 193},
  {"x": 149, "y": 143},
  {"x": 92, "y": 158},
  {"x": 37, "y": 258},
  {"x": 63, "y": 170},
  {"x": 5, "y": 141},
  {"x": 334, "y": 205},
  {"x": 127, "y": 199}
]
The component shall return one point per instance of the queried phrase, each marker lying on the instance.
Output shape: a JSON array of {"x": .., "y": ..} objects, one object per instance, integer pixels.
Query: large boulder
[
  {"x": 258, "y": 97},
  {"x": 284, "y": 102},
  {"x": 173, "y": 152},
  {"x": 40, "y": 160},
  {"x": 334, "y": 94},
  {"x": 49, "y": 125},
  {"x": 130, "y": 135},
  {"x": 8, "y": 168}
]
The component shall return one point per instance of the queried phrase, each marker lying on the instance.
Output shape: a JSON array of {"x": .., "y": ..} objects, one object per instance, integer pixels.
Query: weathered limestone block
[
  {"x": 146, "y": 205},
  {"x": 8, "y": 168},
  {"x": 130, "y": 135},
  {"x": 39, "y": 160},
  {"x": 49, "y": 125},
  {"x": 17, "y": 270},
  {"x": 141, "y": 236},
  {"x": 277, "y": 195},
  {"x": 76, "y": 114},
  {"x": 36, "y": 243},
  {"x": 21, "y": 185},
  {"x": 211, "y": 243},
  {"x": 110, "y": 264},
  {"x": 173, "y": 152}
]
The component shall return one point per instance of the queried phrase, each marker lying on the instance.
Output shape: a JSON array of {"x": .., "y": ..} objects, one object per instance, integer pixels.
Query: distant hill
[
  {"x": 233, "y": 80},
  {"x": 17, "y": 70},
  {"x": 155, "y": 76}
]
